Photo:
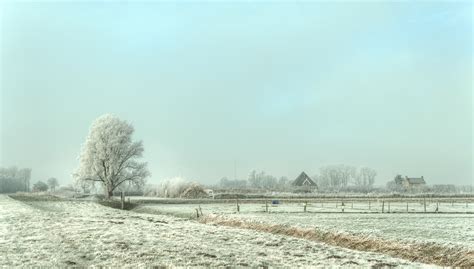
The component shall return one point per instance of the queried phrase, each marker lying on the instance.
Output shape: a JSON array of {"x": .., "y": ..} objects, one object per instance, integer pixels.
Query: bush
[
  {"x": 194, "y": 191},
  {"x": 40, "y": 186},
  {"x": 67, "y": 188},
  {"x": 171, "y": 188}
]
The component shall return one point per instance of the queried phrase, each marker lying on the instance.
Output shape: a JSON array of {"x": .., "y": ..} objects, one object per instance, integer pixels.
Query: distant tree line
[
  {"x": 13, "y": 179},
  {"x": 343, "y": 177},
  {"x": 50, "y": 184},
  {"x": 330, "y": 178},
  {"x": 256, "y": 180}
]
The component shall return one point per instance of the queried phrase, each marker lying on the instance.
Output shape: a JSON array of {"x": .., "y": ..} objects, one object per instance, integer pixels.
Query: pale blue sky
[{"x": 279, "y": 87}]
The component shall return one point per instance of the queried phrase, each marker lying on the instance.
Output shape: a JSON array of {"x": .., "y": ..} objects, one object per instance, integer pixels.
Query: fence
[{"x": 424, "y": 205}]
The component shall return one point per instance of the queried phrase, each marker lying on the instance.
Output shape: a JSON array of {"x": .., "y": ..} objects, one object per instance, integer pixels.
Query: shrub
[
  {"x": 40, "y": 186},
  {"x": 194, "y": 191},
  {"x": 170, "y": 188}
]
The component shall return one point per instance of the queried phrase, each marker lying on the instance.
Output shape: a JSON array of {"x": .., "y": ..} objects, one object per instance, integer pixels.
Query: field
[
  {"x": 55, "y": 232},
  {"x": 428, "y": 237}
]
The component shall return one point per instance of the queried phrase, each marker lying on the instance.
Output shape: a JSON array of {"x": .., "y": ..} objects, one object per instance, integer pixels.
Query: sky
[{"x": 217, "y": 89}]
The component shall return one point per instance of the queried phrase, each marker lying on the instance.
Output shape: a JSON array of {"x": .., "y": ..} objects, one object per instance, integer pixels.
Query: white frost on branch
[{"x": 109, "y": 155}]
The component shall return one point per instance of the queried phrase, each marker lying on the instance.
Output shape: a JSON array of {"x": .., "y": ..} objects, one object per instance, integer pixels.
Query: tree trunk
[{"x": 110, "y": 194}]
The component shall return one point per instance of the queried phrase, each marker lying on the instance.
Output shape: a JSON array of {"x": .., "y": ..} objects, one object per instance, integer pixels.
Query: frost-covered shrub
[
  {"x": 170, "y": 188},
  {"x": 150, "y": 190},
  {"x": 40, "y": 186},
  {"x": 194, "y": 191},
  {"x": 67, "y": 188}
]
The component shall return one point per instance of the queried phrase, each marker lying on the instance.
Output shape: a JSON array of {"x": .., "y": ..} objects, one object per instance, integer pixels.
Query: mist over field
[{"x": 236, "y": 134}]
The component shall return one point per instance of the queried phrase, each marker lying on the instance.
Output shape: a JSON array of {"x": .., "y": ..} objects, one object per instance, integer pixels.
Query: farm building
[
  {"x": 410, "y": 183},
  {"x": 303, "y": 181}
]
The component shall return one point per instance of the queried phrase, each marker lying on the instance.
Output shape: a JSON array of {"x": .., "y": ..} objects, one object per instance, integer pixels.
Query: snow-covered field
[
  {"x": 452, "y": 233},
  {"x": 449, "y": 229},
  {"x": 61, "y": 233},
  {"x": 439, "y": 228},
  {"x": 317, "y": 207}
]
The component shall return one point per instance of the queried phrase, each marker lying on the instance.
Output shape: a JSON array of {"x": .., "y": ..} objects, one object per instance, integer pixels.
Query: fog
[{"x": 218, "y": 90}]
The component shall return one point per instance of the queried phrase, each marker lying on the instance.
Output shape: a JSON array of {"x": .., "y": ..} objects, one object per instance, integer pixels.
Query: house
[
  {"x": 410, "y": 183},
  {"x": 305, "y": 182}
]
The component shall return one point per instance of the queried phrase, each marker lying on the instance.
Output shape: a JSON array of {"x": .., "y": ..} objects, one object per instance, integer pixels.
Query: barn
[{"x": 303, "y": 181}]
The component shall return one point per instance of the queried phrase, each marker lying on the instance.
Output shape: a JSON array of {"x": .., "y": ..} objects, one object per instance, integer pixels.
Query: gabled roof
[
  {"x": 303, "y": 180},
  {"x": 416, "y": 180}
]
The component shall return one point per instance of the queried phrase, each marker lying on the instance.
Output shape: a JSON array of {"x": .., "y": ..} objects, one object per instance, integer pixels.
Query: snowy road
[{"x": 63, "y": 233}]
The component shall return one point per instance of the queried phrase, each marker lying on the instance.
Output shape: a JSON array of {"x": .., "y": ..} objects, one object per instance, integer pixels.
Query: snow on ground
[
  {"x": 444, "y": 229},
  {"x": 329, "y": 207},
  {"x": 445, "y": 239},
  {"x": 60, "y": 233},
  {"x": 455, "y": 229}
]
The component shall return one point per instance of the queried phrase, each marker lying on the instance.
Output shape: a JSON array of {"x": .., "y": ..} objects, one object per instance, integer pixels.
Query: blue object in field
[{"x": 275, "y": 202}]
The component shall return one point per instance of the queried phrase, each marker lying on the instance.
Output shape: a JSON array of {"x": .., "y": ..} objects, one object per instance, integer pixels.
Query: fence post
[
  {"x": 238, "y": 207},
  {"x": 305, "y": 204},
  {"x": 424, "y": 203},
  {"x": 383, "y": 205},
  {"x": 342, "y": 206},
  {"x": 407, "y": 206},
  {"x": 200, "y": 210},
  {"x": 197, "y": 213},
  {"x": 388, "y": 206},
  {"x": 266, "y": 206},
  {"x": 122, "y": 199},
  {"x": 369, "y": 204}
]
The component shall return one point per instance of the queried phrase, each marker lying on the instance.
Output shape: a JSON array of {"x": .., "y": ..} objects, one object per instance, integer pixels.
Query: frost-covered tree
[
  {"x": 347, "y": 174},
  {"x": 283, "y": 183},
  {"x": 365, "y": 177},
  {"x": 330, "y": 176},
  {"x": 40, "y": 186},
  {"x": 84, "y": 186},
  {"x": 52, "y": 183},
  {"x": 13, "y": 179},
  {"x": 109, "y": 155},
  {"x": 262, "y": 180}
]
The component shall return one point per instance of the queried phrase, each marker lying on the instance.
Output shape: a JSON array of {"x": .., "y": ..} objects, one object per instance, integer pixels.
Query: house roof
[
  {"x": 416, "y": 180},
  {"x": 303, "y": 180}
]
